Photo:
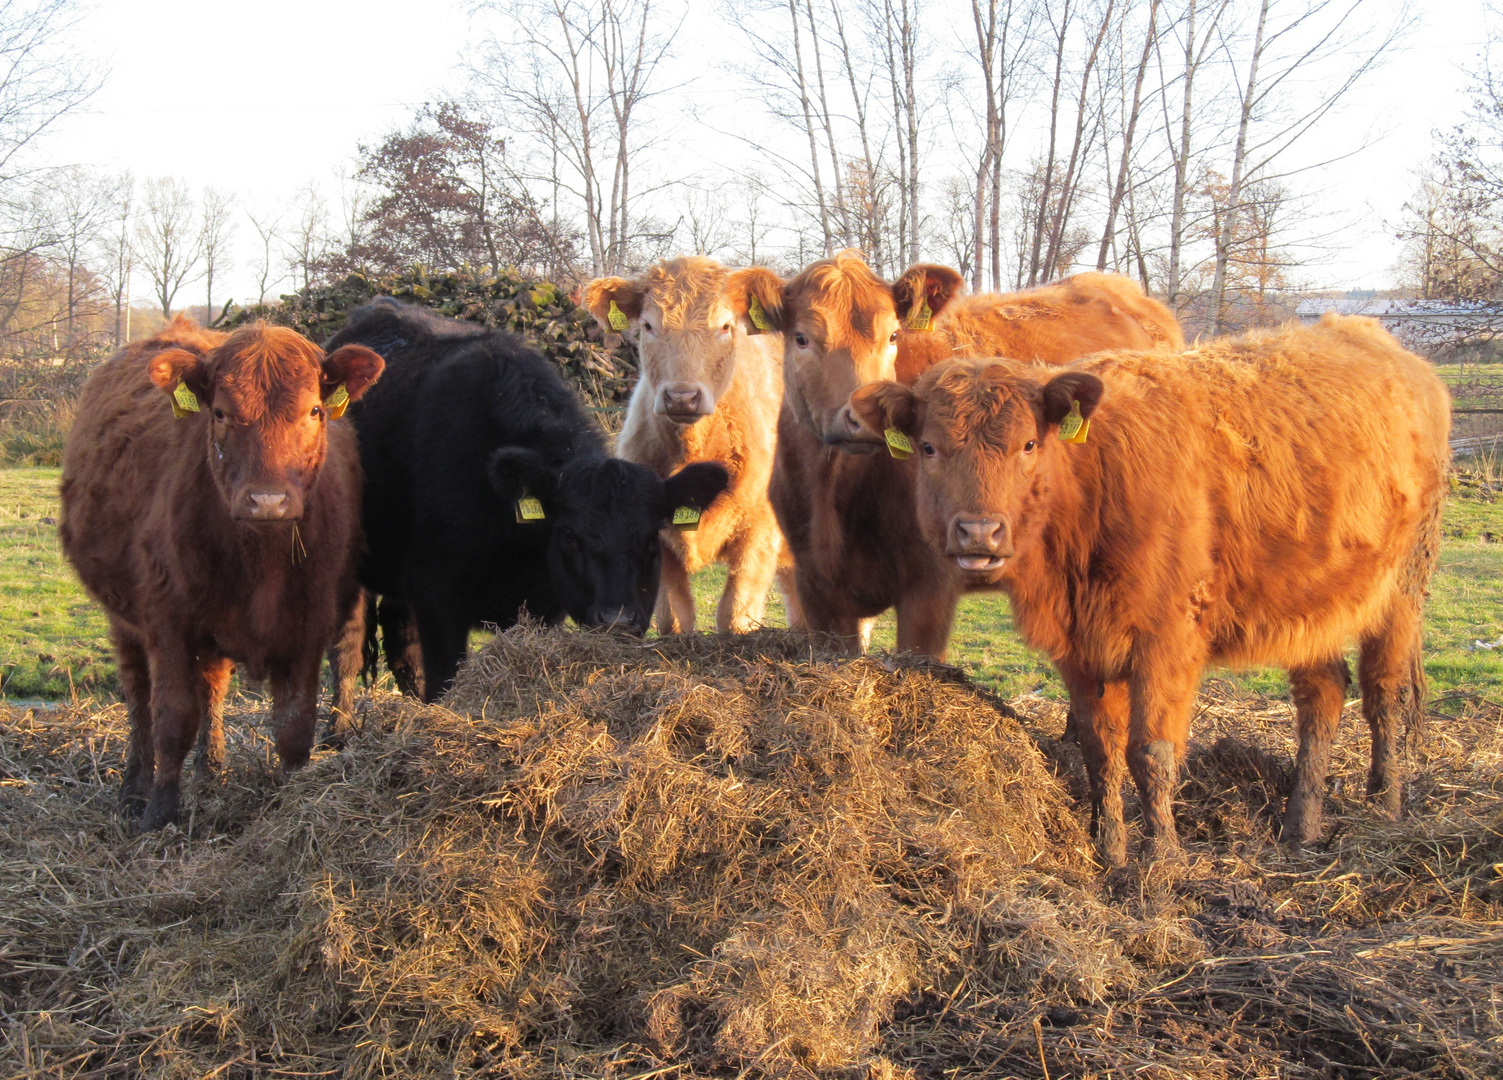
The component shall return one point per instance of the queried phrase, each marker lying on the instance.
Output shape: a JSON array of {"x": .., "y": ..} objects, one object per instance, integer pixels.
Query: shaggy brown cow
[
  {"x": 709, "y": 388},
  {"x": 226, "y": 534},
  {"x": 1261, "y": 500},
  {"x": 1055, "y": 323},
  {"x": 847, "y": 516}
]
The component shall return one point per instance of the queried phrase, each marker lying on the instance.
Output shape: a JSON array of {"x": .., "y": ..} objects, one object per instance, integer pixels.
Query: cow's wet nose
[
  {"x": 982, "y": 534},
  {"x": 683, "y": 401},
  {"x": 850, "y": 422},
  {"x": 621, "y": 619},
  {"x": 269, "y": 505}
]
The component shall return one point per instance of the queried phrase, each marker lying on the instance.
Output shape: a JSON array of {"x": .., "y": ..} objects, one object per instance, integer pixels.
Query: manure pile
[{"x": 715, "y": 856}]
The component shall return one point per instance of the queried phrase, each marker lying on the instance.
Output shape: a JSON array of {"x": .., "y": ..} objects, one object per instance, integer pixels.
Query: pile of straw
[{"x": 719, "y": 856}]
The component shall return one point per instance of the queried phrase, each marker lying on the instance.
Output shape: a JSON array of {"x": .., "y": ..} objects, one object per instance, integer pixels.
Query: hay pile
[{"x": 715, "y": 856}]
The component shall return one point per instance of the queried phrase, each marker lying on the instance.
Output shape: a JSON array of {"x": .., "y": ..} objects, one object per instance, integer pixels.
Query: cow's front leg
[
  {"x": 1101, "y": 713},
  {"x": 1161, "y": 693},
  {"x": 346, "y": 658},
  {"x": 214, "y": 673},
  {"x": 177, "y": 702},
  {"x": 294, "y": 697},
  {"x": 675, "y": 606},
  {"x": 135, "y": 686},
  {"x": 751, "y": 565},
  {"x": 925, "y": 617}
]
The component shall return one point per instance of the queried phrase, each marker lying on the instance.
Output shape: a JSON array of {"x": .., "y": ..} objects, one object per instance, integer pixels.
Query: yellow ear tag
[
  {"x": 921, "y": 318},
  {"x": 529, "y": 508},
  {"x": 757, "y": 316},
  {"x": 1074, "y": 428},
  {"x": 337, "y": 402},
  {"x": 897, "y": 444},
  {"x": 184, "y": 401},
  {"x": 686, "y": 518},
  {"x": 616, "y": 317}
]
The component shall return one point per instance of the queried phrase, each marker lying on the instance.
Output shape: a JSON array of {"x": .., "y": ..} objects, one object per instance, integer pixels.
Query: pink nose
[
  {"x": 269, "y": 506},
  {"x": 982, "y": 534}
]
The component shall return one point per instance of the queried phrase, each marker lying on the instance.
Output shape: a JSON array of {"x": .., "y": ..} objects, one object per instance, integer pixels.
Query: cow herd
[{"x": 1148, "y": 509}]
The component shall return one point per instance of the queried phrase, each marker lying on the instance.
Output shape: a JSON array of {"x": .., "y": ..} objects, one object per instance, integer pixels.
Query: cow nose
[
  {"x": 269, "y": 505},
  {"x": 851, "y": 422},
  {"x": 682, "y": 402},
  {"x": 982, "y": 534},
  {"x": 616, "y": 618}
]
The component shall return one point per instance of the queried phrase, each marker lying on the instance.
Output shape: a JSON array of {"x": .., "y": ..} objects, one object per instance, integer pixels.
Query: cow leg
[
  {"x": 135, "y": 685},
  {"x": 750, "y": 570},
  {"x": 1386, "y": 662},
  {"x": 215, "y": 672},
  {"x": 788, "y": 587},
  {"x": 346, "y": 658},
  {"x": 825, "y": 616},
  {"x": 1161, "y": 693},
  {"x": 177, "y": 702},
  {"x": 925, "y": 617},
  {"x": 1318, "y": 691},
  {"x": 675, "y": 607},
  {"x": 399, "y": 639},
  {"x": 1102, "y": 711},
  {"x": 444, "y": 640},
  {"x": 294, "y": 697}
]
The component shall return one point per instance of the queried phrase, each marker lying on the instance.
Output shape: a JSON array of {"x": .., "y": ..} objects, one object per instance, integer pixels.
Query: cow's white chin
[{"x": 980, "y": 562}]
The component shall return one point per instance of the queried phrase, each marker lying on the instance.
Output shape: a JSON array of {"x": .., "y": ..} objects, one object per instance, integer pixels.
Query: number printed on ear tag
[
  {"x": 184, "y": 401},
  {"x": 529, "y": 508},
  {"x": 616, "y": 317},
  {"x": 758, "y": 316},
  {"x": 1073, "y": 428},
  {"x": 921, "y": 317},
  {"x": 686, "y": 518},
  {"x": 897, "y": 444},
  {"x": 337, "y": 402}
]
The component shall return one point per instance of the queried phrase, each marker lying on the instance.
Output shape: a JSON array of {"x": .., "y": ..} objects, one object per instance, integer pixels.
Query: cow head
[
  {"x": 603, "y": 518},
  {"x": 984, "y": 432},
  {"x": 686, "y": 329},
  {"x": 262, "y": 399},
  {"x": 840, "y": 326}
]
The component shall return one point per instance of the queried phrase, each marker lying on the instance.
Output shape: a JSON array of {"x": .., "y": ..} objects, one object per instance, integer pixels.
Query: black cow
[{"x": 468, "y": 435}]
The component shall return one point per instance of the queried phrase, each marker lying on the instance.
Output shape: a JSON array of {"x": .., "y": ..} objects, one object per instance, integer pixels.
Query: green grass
[{"x": 53, "y": 643}]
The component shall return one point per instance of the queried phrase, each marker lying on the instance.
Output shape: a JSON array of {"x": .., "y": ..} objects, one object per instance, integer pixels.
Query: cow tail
[{"x": 1414, "y": 582}]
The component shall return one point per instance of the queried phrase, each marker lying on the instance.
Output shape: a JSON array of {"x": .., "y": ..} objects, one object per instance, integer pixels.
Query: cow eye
[
  {"x": 316, "y": 412},
  {"x": 726, "y": 328},
  {"x": 893, "y": 340},
  {"x": 801, "y": 341},
  {"x": 218, "y": 414},
  {"x": 1028, "y": 446},
  {"x": 928, "y": 449},
  {"x": 647, "y": 326}
]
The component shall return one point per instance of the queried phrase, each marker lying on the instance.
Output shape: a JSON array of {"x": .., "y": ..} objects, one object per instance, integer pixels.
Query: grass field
[{"x": 53, "y": 641}]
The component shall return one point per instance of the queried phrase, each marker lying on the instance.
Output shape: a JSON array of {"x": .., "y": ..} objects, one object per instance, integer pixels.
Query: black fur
[{"x": 463, "y": 420}]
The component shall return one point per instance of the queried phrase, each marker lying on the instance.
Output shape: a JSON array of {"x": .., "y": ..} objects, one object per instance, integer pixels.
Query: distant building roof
[{"x": 1310, "y": 310}]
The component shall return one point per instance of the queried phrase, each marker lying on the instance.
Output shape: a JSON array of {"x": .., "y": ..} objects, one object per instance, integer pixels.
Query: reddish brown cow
[
  {"x": 225, "y": 535},
  {"x": 1261, "y": 500},
  {"x": 709, "y": 387},
  {"x": 1054, "y": 323}
]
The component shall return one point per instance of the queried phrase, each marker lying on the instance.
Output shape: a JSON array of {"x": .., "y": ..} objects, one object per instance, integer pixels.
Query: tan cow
[
  {"x": 1254, "y": 501},
  {"x": 709, "y": 388}
]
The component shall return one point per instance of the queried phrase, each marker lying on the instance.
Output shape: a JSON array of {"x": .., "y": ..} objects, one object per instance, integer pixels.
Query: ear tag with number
[
  {"x": 529, "y": 508},
  {"x": 921, "y": 318},
  {"x": 898, "y": 444},
  {"x": 616, "y": 317},
  {"x": 184, "y": 401},
  {"x": 337, "y": 402},
  {"x": 758, "y": 316},
  {"x": 686, "y": 518},
  {"x": 1074, "y": 428}
]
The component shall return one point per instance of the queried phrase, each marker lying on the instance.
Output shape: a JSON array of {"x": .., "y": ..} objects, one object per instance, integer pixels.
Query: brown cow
[
  {"x": 709, "y": 388},
  {"x": 225, "y": 535},
  {"x": 1253, "y": 501},
  {"x": 1054, "y": 323}
]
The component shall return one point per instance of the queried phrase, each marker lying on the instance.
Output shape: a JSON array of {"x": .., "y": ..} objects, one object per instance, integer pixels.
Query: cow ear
[
  {"x": 696, "y": 485},
  {"x": 353, "y": 367},
  {"x": 753, "y": 292},
  {"x": 513, "y": 469},
  {"x": 1064, "y": 390},
  {"x": 935, "y": 285},
  {"x": 615, "y": 302},
  {"x": 883, "y": 405},
  {"x": 178, "y": 367}
]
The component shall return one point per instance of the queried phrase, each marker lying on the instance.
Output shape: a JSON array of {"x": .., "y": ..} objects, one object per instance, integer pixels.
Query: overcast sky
[{"x": 257, "y": 99}]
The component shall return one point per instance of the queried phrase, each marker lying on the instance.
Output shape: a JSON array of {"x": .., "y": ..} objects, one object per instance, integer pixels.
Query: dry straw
[{"x": 715, "y": 856}]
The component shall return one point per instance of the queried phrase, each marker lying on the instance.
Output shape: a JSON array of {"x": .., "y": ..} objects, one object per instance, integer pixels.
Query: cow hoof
[
  {"x": 1161, "y": 849},
  {"x": 1111, "y": 846},
  {"x": 207, "y": 766},
  {"x": 161, "y": 810},
  {"x": 1302, "y": 827},
  {"x": 132, "y": 803}
]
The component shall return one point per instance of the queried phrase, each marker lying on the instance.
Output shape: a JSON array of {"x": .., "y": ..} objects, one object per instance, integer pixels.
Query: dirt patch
[{"x": 711, "y": 856}]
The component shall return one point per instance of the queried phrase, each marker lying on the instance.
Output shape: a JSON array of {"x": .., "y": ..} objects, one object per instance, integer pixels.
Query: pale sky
[{"x": 258, "y": 99}]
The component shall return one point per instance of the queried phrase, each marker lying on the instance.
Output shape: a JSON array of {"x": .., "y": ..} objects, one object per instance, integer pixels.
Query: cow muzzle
[
  {"x": 847, "y": 431},
  {"x": 268, "y": 505},
  {"x": 684, "y": 402},
  {"x": 619, "y": 619},
  {"x": 979, "y": 544}
]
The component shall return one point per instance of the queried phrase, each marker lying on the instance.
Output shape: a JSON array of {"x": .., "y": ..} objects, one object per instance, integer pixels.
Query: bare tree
[
  {"x": 578, "y": 74},
  {"x": 1118, "y": 190},
  {"x": 309, "y": 235},
  {"x": 84, "y": 204},
  {"x": 167, "y": 237},
  {"x": 117, "y": 255},
  {"x": 267, "y": 225},
  {"x": 215, "y": 231},
  {"x": 41, "y": 79}
]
